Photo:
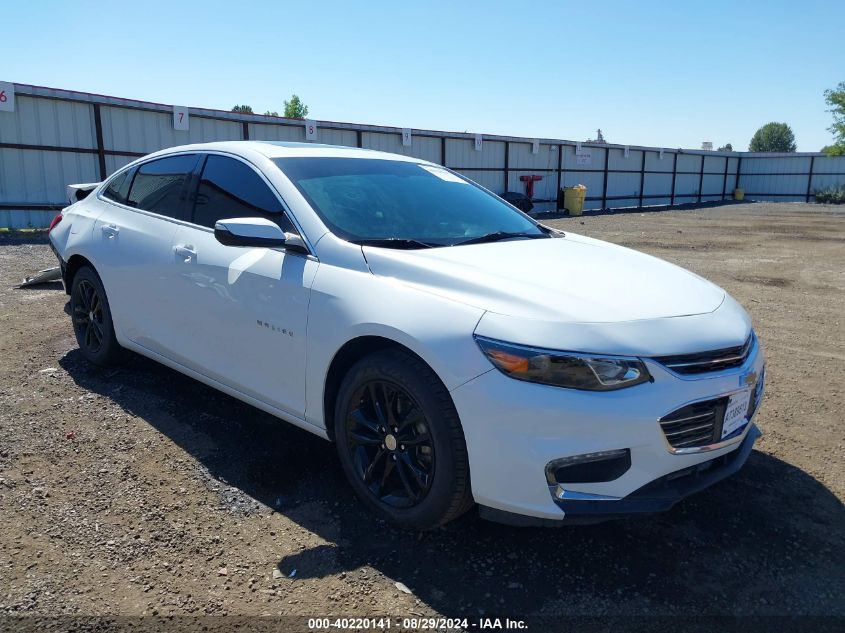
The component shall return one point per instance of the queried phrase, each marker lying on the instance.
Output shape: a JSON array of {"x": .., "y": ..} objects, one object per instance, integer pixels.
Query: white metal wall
[
  {"x": 424, "y": 147},
  {"x": 57, "y": 137}
]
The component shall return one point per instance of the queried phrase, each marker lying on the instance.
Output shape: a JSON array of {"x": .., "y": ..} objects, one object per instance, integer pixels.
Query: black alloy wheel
[
  {"x": 92, "y": 320},
  {"x": 88, "y": 317},
  {"x": 400, "y": 441},
  {"x": 391, "y": 446}
]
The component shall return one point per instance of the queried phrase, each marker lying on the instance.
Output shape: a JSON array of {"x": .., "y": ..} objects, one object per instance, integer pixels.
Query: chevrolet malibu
[{"x": 456, "y": 351}]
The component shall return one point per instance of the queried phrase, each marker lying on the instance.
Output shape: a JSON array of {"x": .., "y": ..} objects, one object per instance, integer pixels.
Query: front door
[{"x": 244, "y": 310}]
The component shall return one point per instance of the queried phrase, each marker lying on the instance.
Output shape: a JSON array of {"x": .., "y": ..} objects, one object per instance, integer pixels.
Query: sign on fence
[
  {"x": 584, "y": 157},
  {"x": 478, "y": 142},
  {"x": 406, "y": 137},
  {"x": 310, "y": 130},
  {"x": 180, "y": 118},
  {"x": 535, "y": 146},
  {"x": 7, "y": 96}
]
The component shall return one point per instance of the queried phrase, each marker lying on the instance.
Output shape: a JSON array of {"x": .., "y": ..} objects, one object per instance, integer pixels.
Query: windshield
[{"x": 383, "y": 201}]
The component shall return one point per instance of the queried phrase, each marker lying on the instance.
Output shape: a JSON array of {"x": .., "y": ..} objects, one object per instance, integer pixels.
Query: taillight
[{"x": 54, "y": 222}]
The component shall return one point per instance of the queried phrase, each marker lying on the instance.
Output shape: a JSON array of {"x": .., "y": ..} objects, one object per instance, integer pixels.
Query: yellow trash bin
[
  {"x": 739, "y": 194},
  {"x": 573, "y": 199}
]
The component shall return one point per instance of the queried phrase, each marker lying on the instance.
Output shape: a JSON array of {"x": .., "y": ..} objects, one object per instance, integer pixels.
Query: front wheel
[
  {"x": 400, "y": 441},
  {"x": 92, "y": 322}
]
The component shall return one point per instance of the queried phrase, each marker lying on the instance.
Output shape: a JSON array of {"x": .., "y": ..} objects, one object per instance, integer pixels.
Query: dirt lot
[{"x": 140, "y": 491}]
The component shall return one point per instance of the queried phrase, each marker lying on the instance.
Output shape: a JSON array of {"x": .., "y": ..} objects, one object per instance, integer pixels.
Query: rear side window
[
  {"x": 118, "y": 187},
  {"x": 229, "y": 188},
  {"x": 160, "y": 186}
]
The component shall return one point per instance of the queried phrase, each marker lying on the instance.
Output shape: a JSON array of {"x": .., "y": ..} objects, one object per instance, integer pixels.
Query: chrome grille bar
[
  {"x": 689, "y": 418},
  {"x": 690, "y": 430},
  {"x": 710, "y": 361},
  {"x": 695, "y": 424},
  {"x": 695, "y": 441}
]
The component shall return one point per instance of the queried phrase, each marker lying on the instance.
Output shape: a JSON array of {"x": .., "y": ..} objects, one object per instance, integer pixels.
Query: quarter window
[
  {"x": 229, "y": 188},
  {"x": 118, "y": 187},
  {"x": 159, "y": 186}
]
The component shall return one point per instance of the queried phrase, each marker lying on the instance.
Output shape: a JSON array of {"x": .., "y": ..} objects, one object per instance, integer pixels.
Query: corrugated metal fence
[{"x": 58, "y": 137}]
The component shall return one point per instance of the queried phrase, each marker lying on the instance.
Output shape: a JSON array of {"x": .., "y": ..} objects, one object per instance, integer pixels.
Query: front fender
[{"x": 347, "y": 304}]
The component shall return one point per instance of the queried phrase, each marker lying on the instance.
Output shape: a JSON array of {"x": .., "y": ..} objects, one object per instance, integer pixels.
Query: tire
[
  {"x": 428, "y": 483},
  {"x": 92, "y": 320}
]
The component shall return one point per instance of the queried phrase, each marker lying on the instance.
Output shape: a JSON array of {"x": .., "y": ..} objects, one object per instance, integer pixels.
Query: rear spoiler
[{"x": 75, "y": 193}]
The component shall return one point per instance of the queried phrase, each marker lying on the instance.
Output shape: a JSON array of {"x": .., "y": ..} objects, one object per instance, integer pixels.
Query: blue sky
[{"x": 670, "y": 74}]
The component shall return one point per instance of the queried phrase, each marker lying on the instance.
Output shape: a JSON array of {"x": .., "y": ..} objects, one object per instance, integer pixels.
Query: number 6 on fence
[{"x": 7, "y": 96}]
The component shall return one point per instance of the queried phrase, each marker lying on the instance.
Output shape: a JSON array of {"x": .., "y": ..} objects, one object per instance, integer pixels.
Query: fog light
[{"x": 588, "y": 468}]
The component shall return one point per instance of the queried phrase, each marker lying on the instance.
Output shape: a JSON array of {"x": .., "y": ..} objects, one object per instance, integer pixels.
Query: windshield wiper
[
  {"x": 498, "y": 236},
  {"x": 394, "y": 242}
]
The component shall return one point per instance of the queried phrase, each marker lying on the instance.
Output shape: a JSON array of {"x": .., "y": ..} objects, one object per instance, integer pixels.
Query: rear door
[
  {"x": 132, "y": 241},
  {"x": 244, "y": 310}
]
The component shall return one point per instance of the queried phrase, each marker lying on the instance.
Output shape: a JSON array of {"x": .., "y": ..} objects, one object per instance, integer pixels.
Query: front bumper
[
  {"x": 658, "y": 496},
  {"x": 664, "y": 492},
  {"x": 514, "y": 429}
]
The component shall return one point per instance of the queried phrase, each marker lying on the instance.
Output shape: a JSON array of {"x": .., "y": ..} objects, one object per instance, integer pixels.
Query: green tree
[
  {"x": 833, "y": 150},
  {"x": 269, "y": 113},
  {"x": 295, "y": 109},
  {"x": 727, "y": 147},
  {"x": 836, "y": 100},
  {"x": 243, "y": 109},
  {"x": 773, "y": 137}
]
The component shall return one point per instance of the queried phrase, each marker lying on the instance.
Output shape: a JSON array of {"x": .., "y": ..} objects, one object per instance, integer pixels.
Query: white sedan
[{"x": 456, "y": 351}]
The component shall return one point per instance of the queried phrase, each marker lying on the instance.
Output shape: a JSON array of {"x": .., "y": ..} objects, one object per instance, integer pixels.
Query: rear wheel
[
  {"x": 401, "y": 443},
  {"x": 92, "y": 322}
]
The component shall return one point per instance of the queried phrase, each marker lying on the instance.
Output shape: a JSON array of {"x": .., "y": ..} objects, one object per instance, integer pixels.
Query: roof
[{"x": 289, "y": 149}]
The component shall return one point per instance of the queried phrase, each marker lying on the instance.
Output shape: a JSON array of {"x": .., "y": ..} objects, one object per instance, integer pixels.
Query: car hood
[{"x": 573, "y": 279}]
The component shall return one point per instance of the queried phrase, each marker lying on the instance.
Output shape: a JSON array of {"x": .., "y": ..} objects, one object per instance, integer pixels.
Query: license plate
[{"x": 735, "y": 413}]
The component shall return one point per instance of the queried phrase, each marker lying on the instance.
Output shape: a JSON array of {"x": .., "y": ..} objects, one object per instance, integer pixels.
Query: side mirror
[{"x": 256, "y": 232}]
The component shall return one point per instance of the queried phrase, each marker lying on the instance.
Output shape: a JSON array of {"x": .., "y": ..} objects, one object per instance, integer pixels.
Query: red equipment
[{"x": 529, "y": 184}]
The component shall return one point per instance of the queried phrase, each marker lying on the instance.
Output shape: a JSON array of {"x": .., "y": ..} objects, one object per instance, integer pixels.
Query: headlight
[{"x": 564, "y": 369}]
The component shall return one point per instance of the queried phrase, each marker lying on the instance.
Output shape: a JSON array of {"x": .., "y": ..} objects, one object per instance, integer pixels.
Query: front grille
[
  {"x": 696, "y": 424},
  {"x": 704, "y": 362},
  {"x": 700, "y": 423}
]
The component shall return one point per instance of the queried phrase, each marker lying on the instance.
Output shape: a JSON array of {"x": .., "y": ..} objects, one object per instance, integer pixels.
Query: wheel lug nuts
[
  {"x": 402, "y": 447},
  {"x": 393, "y": 457},
  {"x": 382, "y": 444}
]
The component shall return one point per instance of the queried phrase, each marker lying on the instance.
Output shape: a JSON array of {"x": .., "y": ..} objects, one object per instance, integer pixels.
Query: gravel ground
[{"x": 139, "y": 491}]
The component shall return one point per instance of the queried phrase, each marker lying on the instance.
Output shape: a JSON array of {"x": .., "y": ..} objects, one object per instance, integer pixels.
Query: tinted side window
[
  {"x": 159, "y": 186},
  {"x": 230, "y": 189},
  {"x": 118, "y": 187}
]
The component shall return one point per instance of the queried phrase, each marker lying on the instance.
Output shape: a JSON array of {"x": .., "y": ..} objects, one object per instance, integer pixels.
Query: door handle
[
  {"x": 185, "y": 251},
  {"x": 110, "y": 230}
]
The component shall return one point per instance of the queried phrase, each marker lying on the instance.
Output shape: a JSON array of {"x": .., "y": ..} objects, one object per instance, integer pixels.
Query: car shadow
[{"x": 768, "y": 540}]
